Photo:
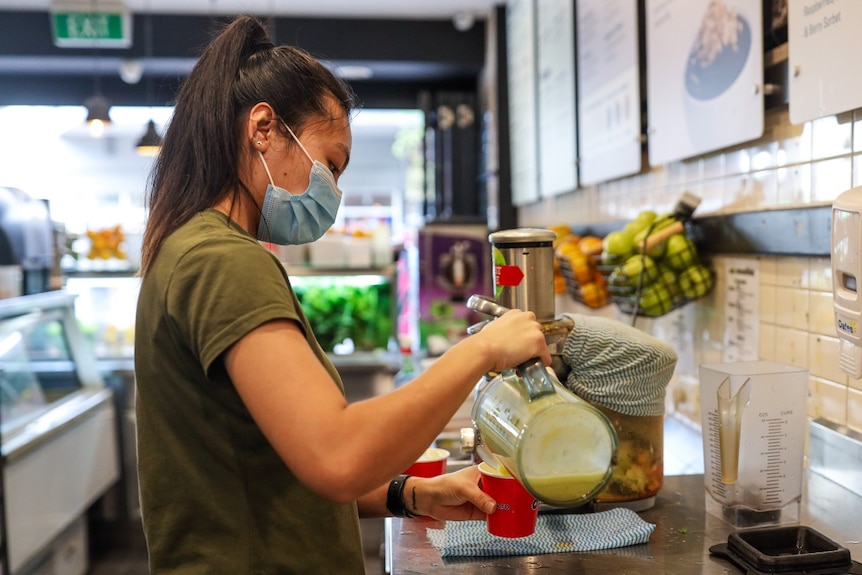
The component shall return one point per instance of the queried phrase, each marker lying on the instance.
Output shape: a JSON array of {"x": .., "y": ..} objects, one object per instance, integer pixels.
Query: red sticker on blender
[{"x": 508, "y": 275}]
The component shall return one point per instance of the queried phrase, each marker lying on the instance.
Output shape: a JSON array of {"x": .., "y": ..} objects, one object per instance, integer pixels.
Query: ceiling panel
[
  {"x": 417, "y": 9},
  {"x": 404, "y": 56}
]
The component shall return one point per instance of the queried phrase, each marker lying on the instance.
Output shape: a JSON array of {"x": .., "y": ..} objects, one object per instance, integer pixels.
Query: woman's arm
[
  {"x": 452, "y": 496},
  {"x": 341, "y": 450}
]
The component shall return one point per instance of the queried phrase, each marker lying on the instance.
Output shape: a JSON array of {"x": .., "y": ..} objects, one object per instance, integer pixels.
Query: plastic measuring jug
[
  {"x": 560, "y": 447},
  {"x": 754, "y": 424}
]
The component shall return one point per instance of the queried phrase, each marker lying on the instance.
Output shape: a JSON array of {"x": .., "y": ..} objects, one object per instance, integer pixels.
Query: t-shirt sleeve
[{"x": 221, "y": 290}]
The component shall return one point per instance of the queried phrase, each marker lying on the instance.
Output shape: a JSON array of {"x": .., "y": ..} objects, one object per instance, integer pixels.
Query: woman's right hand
[{"x": 513, "y": 338}]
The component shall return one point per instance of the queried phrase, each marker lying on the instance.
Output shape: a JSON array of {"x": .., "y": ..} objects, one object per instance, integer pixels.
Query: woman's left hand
[{"x": 452, "y": 496}]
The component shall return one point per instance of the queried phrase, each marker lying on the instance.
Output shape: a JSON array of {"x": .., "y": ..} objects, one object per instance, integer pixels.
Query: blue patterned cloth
[{"x": 555, "y": 533}]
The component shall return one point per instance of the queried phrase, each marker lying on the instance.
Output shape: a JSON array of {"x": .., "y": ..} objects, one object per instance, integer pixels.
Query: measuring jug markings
[
  {"x": 775, "y": 459},
  {"x": 773, "y": 491},
  {"x": 718, "y": 486}
]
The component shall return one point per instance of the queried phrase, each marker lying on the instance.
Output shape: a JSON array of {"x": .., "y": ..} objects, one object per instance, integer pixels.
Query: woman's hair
[{"x": 199, "y": 161}]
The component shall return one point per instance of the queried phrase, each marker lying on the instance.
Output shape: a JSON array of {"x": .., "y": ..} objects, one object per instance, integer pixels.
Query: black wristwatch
[{"x": 395, "y": 498}]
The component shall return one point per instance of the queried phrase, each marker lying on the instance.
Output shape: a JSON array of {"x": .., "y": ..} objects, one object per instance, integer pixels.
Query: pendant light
[
  {"x": 98, "y": 117},
  {"x": 97, "y": 105},
  {"x": 151, "y": 142},
  {"x": 98, "y": 108}
]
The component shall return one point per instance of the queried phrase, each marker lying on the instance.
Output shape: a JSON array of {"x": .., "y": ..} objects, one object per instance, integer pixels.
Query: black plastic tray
[{"x": 790, "y": 550}]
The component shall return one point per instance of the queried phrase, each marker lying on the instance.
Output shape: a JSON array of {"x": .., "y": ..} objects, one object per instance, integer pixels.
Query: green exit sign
[{"x": 84, "y": 29}]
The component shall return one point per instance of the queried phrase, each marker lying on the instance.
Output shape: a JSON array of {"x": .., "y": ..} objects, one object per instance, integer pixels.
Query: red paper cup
[
  {"x": 430, "y": 464},
  {"x": 517, "y": 509}
]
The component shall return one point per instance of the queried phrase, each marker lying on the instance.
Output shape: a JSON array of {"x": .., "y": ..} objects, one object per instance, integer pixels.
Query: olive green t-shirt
[{"x": 215, "y": 496}]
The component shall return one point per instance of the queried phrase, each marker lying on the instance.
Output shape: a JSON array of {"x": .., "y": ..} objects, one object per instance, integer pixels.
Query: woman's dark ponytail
[
  {"x": 207, "y": 98},
  {"x": 200, "y": 157}
]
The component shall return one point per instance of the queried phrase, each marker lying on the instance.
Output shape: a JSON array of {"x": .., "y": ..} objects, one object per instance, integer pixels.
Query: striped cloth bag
[
  {"x": 555, "y": 533},
  {"x": 618, "y": 366}
]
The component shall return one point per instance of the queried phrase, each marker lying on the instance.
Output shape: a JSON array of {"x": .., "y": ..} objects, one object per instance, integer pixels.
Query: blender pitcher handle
[
  {"x": 533, "y": 371},
  {"x": 536, "y": 378}
]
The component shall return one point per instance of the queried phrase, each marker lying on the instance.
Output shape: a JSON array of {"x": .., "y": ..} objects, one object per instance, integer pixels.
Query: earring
[{"x": 260, "y": 143}]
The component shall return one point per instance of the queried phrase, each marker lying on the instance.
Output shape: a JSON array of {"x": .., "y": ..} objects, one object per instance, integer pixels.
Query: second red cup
[
  {"x": 517, "y": 509},
  {"x": 431, "y": 464}
]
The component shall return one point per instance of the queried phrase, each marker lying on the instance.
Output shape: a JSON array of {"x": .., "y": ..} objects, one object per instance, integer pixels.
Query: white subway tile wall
[{"x": 790, "y": 166}]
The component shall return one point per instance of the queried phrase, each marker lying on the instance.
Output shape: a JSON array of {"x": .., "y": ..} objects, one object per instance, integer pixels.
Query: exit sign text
[{"x": 81, "y": 29}]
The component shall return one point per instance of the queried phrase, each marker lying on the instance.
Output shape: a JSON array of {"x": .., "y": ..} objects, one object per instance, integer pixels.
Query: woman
[{"x": 250, "y": 459}]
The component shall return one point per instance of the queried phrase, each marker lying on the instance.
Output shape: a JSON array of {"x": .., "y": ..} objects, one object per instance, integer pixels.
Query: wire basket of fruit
[
  {"x": 576, "y": 270},
  {"x": 652, "y": 266}
]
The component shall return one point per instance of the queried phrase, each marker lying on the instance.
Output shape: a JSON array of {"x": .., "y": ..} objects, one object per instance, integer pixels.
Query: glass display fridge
[
  {"x": 353, "y": 312},
  {"x": 57, "y": 433},
  {"x": 105, "y": 306}
]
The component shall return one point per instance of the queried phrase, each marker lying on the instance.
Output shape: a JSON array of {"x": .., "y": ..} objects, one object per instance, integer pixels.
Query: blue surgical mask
[{"x": 293, "y": 219}]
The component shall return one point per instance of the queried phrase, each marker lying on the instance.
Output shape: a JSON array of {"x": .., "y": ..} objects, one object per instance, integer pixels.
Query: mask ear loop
[
  {"x": 297, "y": 141},
  {"x": 265, "y": 167}
]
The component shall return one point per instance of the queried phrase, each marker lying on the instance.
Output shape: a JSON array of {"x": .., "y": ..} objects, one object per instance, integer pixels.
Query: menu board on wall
[
  {"x": 823, "y": 36},
  {"x": 742, "y": 310},
  {"x": 704, "y": 76},
  {"x": 609, "y": 105},
  {"x": 557, "y": 121},
  {"x": 521, "y": 69}
]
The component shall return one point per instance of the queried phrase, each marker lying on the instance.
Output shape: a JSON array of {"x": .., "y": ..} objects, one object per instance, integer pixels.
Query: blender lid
[
  {"x": 520, "y": 236},
  {"x": 790, "y": 550}
]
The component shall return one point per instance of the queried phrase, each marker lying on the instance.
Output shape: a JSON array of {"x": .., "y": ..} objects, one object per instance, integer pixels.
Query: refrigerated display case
[
  {"x": 350, "y": 309},
  {"x": 4, "y": 551},
  {"x": 105, "y": 308},
  {"x": 353, "y": 312},
  {"x": 57, "y": 432}
]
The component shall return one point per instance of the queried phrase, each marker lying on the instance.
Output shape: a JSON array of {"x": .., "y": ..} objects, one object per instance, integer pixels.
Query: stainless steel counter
[{"x": 679, "y": 545}]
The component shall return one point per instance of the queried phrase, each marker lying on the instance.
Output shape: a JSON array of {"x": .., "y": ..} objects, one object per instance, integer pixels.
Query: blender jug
[
  {"x": 524, "y": 279},
  {"x": 754, "y": 422},
  {"x": 560, "y": 447}
]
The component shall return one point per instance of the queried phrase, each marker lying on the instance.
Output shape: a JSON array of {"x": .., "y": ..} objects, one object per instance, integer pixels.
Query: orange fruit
[
  {"x": 566, "y": 245},
  {"x": 560, "y": 286},
  {"x": 593, "y": 295},
  {"x": 590, "y": 245},
  {"x": 562, "y": 230},
  {"x": 581, "y": 268},
  {"x": 600, "y": 279}
]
